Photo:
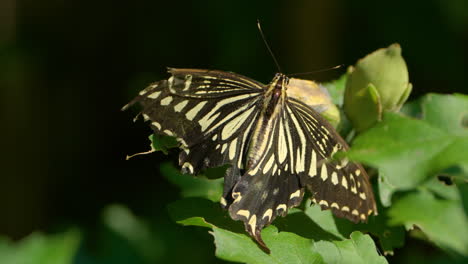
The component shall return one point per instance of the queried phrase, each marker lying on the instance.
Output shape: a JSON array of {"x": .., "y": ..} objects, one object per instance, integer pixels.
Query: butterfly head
[
  {"x": 277, "y": 87},
  {"x": 275, "y": 94}
]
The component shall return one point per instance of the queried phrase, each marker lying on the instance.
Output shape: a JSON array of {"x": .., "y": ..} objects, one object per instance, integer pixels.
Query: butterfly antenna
[
  {"x": 322, "y": 70},
  {"x": 268, "y": 46}
]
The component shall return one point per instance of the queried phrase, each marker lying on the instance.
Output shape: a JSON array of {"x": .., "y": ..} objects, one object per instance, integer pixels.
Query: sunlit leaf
[
  {"x": 312, "y": 244},
  {"x": 408, "y": 151}
]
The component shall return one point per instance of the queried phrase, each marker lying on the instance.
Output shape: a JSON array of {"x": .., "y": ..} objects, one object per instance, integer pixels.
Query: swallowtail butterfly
[{"x": 276, "y": 146}]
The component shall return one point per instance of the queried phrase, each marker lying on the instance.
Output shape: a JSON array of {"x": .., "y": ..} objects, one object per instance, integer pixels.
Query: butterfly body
[
  {"x": 273, "y": 102},
  {"x": 276, "y": 145}
]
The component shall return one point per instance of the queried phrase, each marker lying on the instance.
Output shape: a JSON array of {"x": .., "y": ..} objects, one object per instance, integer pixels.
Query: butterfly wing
[
  {"x": 339, "y": 185},
  {"x": 270, "y": 187},
  {"x": 211, "y": 114},
  {"x": 298, "y": 155}
]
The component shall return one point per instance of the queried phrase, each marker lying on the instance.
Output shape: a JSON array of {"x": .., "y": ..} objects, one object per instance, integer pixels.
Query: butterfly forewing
[{"x": 211, "y": 113}]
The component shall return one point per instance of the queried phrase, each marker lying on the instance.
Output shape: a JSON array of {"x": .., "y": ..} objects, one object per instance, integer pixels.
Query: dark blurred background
[{"x": 67, "y": 67}]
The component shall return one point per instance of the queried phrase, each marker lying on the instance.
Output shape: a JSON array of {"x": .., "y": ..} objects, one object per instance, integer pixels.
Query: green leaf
[
  {"x": 191, "y": 186},
  {"x": 385, "y": 190},
  {"x": 358, "y": 249},
  {"x": 443, "y": 221},
  {"x": 162, "y": 143},
  {"x": 285, "y": 247},
  {"x": 408, "y": 151},
  {"x": 404, "y": 157},
  {"x": 40, "y": 248},
  {"x": 311, "y": 244},
  {"x": 446, "y": 112},
  {"x": 390, "y": 237}
]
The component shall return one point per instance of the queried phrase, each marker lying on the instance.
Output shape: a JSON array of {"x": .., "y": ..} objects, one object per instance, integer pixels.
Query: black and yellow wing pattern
[{"x": 276, "y": 145}]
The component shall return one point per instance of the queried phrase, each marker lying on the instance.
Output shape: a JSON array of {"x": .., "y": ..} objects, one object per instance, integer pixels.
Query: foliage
[
  {"x": 409, "y": 153},
  {"x": 39, "y": 248},
  {"x": 420, "y": 160}
]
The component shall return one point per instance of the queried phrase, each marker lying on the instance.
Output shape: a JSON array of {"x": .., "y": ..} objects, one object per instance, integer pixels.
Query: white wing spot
[
  {"x": 355, "y": 212},
  {"x": 334, "y": 205},
  {"x": 281, "y": 207},
  {"x": 363, "y": 217},
  {"x": 168, "y": 132},
  {"x": 223, "y": 201},
  {"x": 214, "y": 137},
  {"x": 268, "y": 213},
  {"x": 157, "y": 125},
  {"x": 323, "y": 202},
  {"x": 237, "y": 197},
  {"x": 313, "y": 165},
  {"x": 190, "y": 115},
  {"x": 205, "y": 122},
  {"x": 358, "y": 172},
  {"x": 335, "y": 149},
  {"x": 188, "y": 166},
  {"x": 147, "y": 89},
  {"x": 180, "y": 106},
  {"x": 145, "y": 117},
  {"x": 282, "y": 148},
  {"x": 235, "y": 124},
  {"x": 362, "y": 195},
  {"x": 166, "y": 100},
  {"x": 224, "y": 147},
  {"x": 275, "y": 168},
  {"x": 232, "y": 149},
  {"x": 334, "y": 178},
  {"x": 154, "y": 95},
  {"x": 323, "y": 173},
  {"x": 300, "y": 161},
  {"x": 345, "y": 209},
  {"x": 353, "y": 182},
  {"x": 269, "y": 164},
  {"x": 344, "y": 183},
  {"x": 253, "y": 223},
  {"x": 244, "y": 213},
  {"x": 295, "y": 194}
]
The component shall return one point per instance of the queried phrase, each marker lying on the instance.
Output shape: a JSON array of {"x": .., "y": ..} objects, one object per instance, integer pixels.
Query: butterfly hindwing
[
  {"x": 339, "y": 185},
  {"x": 268, "y": 188}
]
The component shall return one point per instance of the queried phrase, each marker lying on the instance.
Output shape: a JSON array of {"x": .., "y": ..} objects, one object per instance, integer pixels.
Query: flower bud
[
  {"x": 378, "y": 83},
  {"x": 315, "y": 96}
]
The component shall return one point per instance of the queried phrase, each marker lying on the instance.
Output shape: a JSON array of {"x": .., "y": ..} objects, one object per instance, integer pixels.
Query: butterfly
[{"x": 276, "y": 146}]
